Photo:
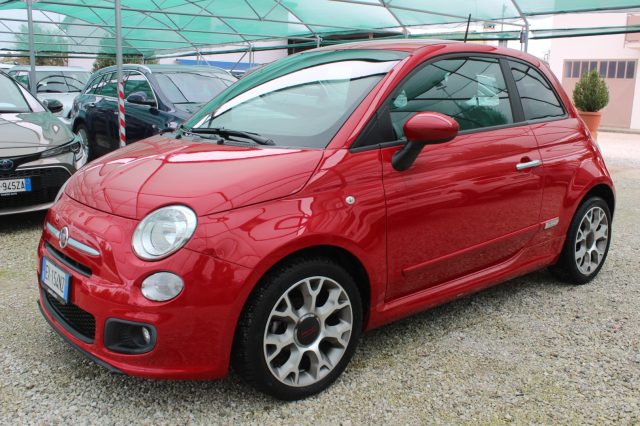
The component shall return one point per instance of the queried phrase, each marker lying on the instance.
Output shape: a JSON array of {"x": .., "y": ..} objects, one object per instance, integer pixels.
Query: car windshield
[
  {"x": 299, "y": 102},
  {"x": 191, "y": 87},
  {"x": 11, "y": 98},
  {"x": 56, "y": 81}
]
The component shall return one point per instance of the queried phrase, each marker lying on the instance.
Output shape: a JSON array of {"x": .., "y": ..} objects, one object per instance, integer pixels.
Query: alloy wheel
[
  {"x": 308, "y": 331},
  {"x": 591, "y": 240}
]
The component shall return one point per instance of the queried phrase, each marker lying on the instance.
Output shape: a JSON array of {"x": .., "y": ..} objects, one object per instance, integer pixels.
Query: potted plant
[{"x": 590, "y": 96}]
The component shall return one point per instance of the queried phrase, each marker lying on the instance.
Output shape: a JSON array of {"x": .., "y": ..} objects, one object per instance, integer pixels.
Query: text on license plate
[
  {"x": 55, "y": 279},
  {"x": 9, "y": 186}
]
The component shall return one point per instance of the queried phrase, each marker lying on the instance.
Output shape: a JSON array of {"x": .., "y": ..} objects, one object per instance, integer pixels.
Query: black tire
[
  {"x": 567, "y": 268},
  {"x": 90, "y": 148},
  {"x": 249, "y": 357}
]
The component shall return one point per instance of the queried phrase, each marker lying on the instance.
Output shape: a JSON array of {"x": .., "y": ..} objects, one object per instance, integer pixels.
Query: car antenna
[{"x": 466, "y": 33}]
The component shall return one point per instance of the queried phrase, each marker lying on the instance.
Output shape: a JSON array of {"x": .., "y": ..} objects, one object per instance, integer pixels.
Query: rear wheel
[
  {"x": 299, "y": 329},
  {"x": 587, "y": 243}
]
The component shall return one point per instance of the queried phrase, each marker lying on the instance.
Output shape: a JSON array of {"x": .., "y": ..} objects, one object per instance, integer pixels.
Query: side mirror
[
  {"x": 424, "y": 128},
  {"x": 140, "y": 98},
  {"x": 53, "y": 105}
]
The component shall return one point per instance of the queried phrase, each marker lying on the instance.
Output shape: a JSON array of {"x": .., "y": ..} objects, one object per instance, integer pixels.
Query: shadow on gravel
[
  {"x": 23, "y": 221},
  {"x": 233, "y": 394}
]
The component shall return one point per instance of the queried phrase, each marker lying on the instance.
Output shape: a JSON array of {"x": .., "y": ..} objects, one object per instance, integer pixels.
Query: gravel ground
[{"x": 528, "y": 351}]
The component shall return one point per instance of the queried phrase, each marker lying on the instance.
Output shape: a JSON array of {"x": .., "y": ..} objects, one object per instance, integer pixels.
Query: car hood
[
  {"x": 29, "y": 133},
  {"x": 209, "y": 178}
]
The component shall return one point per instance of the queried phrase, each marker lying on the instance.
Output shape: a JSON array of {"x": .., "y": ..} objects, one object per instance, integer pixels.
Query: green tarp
[{"x": 157, "y": 27}]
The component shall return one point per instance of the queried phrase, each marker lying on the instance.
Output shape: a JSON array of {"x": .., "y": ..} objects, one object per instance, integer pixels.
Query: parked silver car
[
  {"x": 38, "y": 153},
  {"x": 61, "y": 83}
]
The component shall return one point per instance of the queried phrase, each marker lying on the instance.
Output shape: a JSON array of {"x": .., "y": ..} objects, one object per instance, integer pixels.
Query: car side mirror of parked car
[
  {"x": 140, "y": 98},
  {"x": 424, "y": 128},
  {"x": 53, "y": 105}
]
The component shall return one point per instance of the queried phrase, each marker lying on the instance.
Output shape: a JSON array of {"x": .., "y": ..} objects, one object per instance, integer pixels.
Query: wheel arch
[
  {"x": 603, "y": 191},
  {"x": 77, "y": 123},
  {"x": 342, "y": 256}
]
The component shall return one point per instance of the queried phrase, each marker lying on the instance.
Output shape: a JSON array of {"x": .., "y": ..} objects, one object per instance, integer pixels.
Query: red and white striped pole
[{"x": 121, "y": 120}]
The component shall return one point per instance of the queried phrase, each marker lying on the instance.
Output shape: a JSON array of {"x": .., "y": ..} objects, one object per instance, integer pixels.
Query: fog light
[
  {"x": 162, "y": 286},
  {"x": 146, "y": 335}
]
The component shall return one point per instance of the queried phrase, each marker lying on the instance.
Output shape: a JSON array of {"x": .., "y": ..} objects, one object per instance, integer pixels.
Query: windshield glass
[
  {"x": 300, "y": 102},
  {"x": 11, "y": 99},
  {"x": 191, "y": 87},
  {"x": 56, "y": 81}
]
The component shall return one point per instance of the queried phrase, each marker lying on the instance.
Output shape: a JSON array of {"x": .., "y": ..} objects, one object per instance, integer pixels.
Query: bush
[{"x": 591, "y": 93}]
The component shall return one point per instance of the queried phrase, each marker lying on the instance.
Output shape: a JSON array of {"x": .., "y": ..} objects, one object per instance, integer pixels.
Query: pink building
[{"x": 614, "y": 56}]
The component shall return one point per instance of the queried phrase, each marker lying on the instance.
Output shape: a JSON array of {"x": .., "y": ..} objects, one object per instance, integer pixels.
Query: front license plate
[
  {"x": 55, "y": 279},
  {"x": 12, "y": 186}
]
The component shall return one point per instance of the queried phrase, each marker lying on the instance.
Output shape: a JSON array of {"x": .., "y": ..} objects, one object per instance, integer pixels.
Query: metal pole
[
  {"x": 32, "y": 50},
  {"x": 121, "y": 117}
]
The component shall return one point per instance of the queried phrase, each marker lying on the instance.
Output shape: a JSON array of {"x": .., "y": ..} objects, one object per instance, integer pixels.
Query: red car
[{"x": 324, "y": 195}]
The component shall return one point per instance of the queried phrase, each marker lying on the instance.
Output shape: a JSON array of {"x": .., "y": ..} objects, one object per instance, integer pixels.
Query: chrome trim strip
[
  {"x": 53, "y": 230},
  {"x": 74, "y": 243},
  {"x": 551, "y": 223}
]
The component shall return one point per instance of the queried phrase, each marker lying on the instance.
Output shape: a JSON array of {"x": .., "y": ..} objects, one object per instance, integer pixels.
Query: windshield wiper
[{"x": 226, "y": 133}]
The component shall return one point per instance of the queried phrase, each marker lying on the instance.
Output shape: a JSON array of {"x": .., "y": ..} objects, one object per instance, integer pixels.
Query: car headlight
[
  {"x": 163, "y": 232},
  {"x": 74, "y": 146}
]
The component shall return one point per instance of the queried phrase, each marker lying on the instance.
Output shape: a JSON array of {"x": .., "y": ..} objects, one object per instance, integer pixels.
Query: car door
[
  {"x": 468, "y": 204},
  {"x": 142, "y": 120},
  {"x": 102, "y": 114}
]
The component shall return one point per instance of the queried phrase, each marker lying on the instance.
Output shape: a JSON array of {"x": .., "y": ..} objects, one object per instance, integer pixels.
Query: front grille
[
  {"x": 67, "y": 261},
  {"x": 78, "y": 322},
  {"x": 45, "y": 184}
]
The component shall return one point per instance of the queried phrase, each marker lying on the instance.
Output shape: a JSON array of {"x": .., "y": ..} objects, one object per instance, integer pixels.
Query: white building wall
[{"x": 594, "y": 47}]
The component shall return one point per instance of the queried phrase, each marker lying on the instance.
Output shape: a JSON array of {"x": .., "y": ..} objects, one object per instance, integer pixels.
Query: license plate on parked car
[
  {"x": 11, "y": 186},
  {"x": 55, "y": 279}
]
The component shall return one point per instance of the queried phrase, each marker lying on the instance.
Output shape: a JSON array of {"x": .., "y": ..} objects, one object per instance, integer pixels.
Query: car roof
[
  {"x": 47, "y": 68},
  {"x": 414, "y": 45},
  {"x": 168, "y": 68}
]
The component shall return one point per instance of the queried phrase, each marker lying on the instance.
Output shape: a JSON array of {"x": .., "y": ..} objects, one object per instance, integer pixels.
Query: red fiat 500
[{"x": 326, "y": 194}]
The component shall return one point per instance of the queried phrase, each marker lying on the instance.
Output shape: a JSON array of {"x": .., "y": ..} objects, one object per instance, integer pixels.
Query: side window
[
  {"x": 470, "y": 90},
  {"x": 109, "y": 86},
  {"x": 538, "y": 98},
  {"x": 92, "y": 88},
  {"x": 136, "y": 82},
  {"x": 22, "y": 77}
]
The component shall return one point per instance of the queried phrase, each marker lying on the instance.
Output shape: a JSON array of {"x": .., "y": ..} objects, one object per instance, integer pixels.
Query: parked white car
[{"x": 61, "y": 83}]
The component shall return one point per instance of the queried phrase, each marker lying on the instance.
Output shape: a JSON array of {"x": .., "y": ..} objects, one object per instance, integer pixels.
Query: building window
[
  {"x": 567, "y": 69},
  {"x": 575, "y": 73},
  {"x": 606, "y": 69},
  {"x": 612, "y": 69},
  {"x": 585, "y": 68},
  {"x": 603, "y": 69},
  {"x": 622, "y": 66},
  {"x": 631, "y": 68}
]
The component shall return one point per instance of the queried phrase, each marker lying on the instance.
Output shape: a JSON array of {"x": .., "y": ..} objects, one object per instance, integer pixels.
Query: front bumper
[
  {"x": 46, "y": 180},
  {"x": 194, "y": 331}
]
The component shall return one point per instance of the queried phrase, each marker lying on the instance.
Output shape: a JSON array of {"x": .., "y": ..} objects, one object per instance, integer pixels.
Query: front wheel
[
  {"x": 299, "y": 329},
  {"x": 81, "y": 131},
  {"x": 587, "y": 243}
]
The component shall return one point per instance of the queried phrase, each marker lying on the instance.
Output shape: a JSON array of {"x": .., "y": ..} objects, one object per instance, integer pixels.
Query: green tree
[
  {"x": 56, "y": 46},
  {"x": 107, "y": 61},
  {"x": 591, "y": 93}
]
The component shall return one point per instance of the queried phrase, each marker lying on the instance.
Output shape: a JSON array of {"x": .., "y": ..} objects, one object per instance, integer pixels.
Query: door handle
[
  {"x": 91, "y": 105},
  {"x": 528, "y": 165}
]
